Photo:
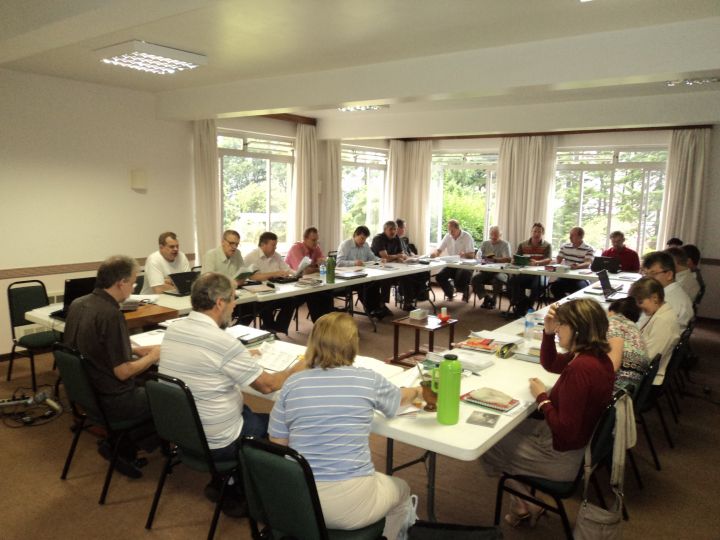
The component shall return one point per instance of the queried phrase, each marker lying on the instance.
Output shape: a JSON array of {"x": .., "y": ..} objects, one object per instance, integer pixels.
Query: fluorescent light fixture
[
  {"x": 693, "y": 82},
  {"x": 150, "y": 58},
  {"x": 362, "y": 108}
]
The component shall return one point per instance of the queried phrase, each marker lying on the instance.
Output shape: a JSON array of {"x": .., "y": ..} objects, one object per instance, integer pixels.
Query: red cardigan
[{"x": 578, "y": 398}]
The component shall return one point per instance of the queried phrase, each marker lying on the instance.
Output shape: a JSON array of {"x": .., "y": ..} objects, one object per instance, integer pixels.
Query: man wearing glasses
[
  {"x": 660, "y": 266},
  {"x": 226, "y": 259}
]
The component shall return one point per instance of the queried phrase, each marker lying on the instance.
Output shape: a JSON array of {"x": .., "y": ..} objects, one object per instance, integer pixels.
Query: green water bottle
[
  {"x": 330, "y": 269},
  {"x": 446, "y": 382}
]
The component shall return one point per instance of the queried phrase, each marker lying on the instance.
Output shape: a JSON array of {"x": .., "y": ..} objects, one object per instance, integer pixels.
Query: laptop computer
[
  {"x": 74, "y": 288},
  {"x": 611, "y": 264},
  {"x": 304, "y": 263},
  {"x": 608, "y": 289},
  {"x": 183, "y": 283},
  {"x": 350, "y": 275}
]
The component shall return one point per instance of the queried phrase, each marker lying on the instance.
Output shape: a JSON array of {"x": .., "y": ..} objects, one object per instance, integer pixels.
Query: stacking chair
[
  {"x": 601, "y": 451},
  {"x": 24, "y": 296},
  {"x": 281, "y": 493},
  {"x": 86, "y": 406},
  {"x": 177, "y": 422}
]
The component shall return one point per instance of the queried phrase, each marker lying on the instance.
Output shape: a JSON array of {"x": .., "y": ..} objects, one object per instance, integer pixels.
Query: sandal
[{"x": 515, "y": 520}]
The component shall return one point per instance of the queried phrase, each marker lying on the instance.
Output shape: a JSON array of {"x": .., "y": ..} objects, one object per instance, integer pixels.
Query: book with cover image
[
  {"x": 480, "y": 344},
  {"x": 491, "y": 398}
]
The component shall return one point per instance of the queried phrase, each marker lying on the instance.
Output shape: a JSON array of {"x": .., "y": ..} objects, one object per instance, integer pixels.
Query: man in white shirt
[
  {"x": 459, "y": 243},
  {"x": 168, "y": 259},
  {"x": 683, "y": 275},
  {"x": 660, "y": 266},
  {"x": 270, "y": 264},
  {"x": 213, "y": 364},
  {"x": 577, "y": 255},
  {"x": 494, "y": 250},
  {"x": 226, "y": 259}
]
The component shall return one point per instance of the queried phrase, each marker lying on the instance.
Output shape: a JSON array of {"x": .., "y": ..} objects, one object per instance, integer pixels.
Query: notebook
[
  {"x": 349, "y": 275},
  {"x": 183, "y": 283},
  {"x": 607, "y": 288},
  {"x": 74, "y": 288},
  {"x": 521, "y": 260},
  {"x": 304, "y": 263}
]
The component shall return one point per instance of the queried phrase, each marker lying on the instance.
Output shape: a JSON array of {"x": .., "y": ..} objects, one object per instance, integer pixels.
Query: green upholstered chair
[
  {"x": 24, "y": 296},
  {"x": 601, "y": 452},
  {"x": 281, "y": 493},
  {"x": 86, "y": 406},
  {"x": 177, "y": 422}
]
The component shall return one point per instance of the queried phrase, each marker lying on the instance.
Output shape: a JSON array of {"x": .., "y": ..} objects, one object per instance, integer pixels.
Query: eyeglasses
[{"x": 653, "y": 273}]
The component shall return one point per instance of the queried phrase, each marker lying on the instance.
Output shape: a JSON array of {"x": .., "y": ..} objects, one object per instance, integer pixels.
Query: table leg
[
  {"x": 389, "y": 457},
  {"x": 452, "y": 337},
  {"x": 432, "y": 456},
  {"x": 431, "y": 341},
  {"x": 396, "y": 338},
  {"x": 417, "y": 341}
]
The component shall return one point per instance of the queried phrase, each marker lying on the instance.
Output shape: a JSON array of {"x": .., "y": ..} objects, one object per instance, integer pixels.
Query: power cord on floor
[{"x": 23, "y": 409}]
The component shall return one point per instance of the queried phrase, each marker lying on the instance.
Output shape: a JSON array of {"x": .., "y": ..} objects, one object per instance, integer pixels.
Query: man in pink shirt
[
  {"x": 319, "y": 303},
  {"x": 310, "y": 248}
]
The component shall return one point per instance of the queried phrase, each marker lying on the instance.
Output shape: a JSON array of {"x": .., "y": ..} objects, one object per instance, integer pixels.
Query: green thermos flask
[
  {"x": 446, "y": 382},
  {"x": 330, "y": 266}
]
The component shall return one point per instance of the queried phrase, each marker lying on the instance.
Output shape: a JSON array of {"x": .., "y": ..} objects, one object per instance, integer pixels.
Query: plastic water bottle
[
  {"x": 529, "y": 324},
  {"x": 323, "y": 273}
]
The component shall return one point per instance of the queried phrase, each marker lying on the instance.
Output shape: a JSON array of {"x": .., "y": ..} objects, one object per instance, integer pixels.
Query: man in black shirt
[
  {"x": 387, "y": 246},
  {"x": 96, "y": 327}
]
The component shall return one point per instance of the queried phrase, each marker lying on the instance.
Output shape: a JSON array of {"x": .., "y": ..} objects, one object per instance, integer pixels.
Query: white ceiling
[{"x": 309, "y": 56}]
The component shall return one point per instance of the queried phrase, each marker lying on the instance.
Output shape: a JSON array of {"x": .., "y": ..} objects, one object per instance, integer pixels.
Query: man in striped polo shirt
[
  {"x": 214, "y": 365},
  {"x": 577, "y": 255}
]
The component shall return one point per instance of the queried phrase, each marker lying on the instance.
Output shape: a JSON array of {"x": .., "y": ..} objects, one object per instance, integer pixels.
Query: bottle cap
[{"x": 450, "y": 357}]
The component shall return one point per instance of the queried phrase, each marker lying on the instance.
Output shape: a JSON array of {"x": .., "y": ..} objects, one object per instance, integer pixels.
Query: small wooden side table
[
  {"x": 429, "y": 325},
  {"x": 149, "y": 314}
]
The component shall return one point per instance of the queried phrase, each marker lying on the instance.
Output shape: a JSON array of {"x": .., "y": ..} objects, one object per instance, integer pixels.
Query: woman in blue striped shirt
[{"x": 325, "y": 414}]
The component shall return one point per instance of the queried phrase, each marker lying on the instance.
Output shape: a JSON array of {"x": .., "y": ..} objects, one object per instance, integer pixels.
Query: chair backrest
[
  {"x": 24, "y": 296},
  {"x": 641, "y": 397},
  {"x": 601, "y": 444},
  {"x": 77, "y": 384},
  {"x": 281, "y": 491},
  {"x": 177, "y": 420}
]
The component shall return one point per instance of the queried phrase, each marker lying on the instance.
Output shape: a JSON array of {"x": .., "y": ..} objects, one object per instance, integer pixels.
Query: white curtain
[
  {"x": 687, "y": 172},
  {"x": 208, "y": 218},
  {"x": 395, "y": 172},
  {"x": 412, "y": 189},
  {"x": 330, "y": 220},
  {"x": 305, "y": 189},
  {"x": 526, "y": 171}
]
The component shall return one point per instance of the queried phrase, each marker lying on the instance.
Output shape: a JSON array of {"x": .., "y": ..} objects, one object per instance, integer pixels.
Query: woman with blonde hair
[
  {"x": 553, "y": 447},
  {"x": 325, "y": 414}
]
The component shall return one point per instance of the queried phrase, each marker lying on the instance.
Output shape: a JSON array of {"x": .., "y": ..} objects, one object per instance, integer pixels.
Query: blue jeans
[{"x": 254, "y": 425}]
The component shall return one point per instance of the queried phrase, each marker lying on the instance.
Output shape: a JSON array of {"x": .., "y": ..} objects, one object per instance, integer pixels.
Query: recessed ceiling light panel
[
  {"x": 362, "y": 108},
  {"x": 150, "y": 58}
]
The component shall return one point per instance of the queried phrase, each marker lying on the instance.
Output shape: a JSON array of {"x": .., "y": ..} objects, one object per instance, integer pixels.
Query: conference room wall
[{"x": 67, "y": 150}]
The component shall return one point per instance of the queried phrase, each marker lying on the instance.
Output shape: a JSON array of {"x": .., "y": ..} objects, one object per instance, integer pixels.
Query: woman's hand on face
[
  {"x": 536, "y": 387},
  {"x": 551, "y": 322}
]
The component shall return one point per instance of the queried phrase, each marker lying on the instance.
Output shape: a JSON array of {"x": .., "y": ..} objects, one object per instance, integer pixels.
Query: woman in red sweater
[{"x": 553, "y": 447}]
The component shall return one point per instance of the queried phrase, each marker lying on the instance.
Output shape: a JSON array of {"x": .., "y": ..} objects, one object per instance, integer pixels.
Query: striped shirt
[
  {"x": 212, "y": 363},
  {"x": 536, "y": 252},
  {"x": 569, "y": 254},
  {"x": 326, "y": 415}
]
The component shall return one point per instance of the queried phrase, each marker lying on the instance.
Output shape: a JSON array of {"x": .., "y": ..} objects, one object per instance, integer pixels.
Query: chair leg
[
  {"x": 11, "y": 362},
  {"x": 564, "y": 517},
  {"x": 218, "y": 507},
  {"x": 71, "y": 452},
  {"x": 158, "y": 491},
  {"x": 32, "y": 371},
  {"x": 111, "y": 468},
  {"x": 636, "y": 471},
  {"x": 649, "y": 441},
  {"x": 498, "y": 500},
  {"x": 664, "y": 424}
]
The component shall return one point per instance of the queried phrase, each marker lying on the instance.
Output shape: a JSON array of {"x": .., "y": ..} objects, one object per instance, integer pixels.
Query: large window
[
  {"x": 363, "y": 182},
  {"x": 603, "y": 190},
  {"x": 462, "y": 186},
  {"x": 256, "y": 177}
]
